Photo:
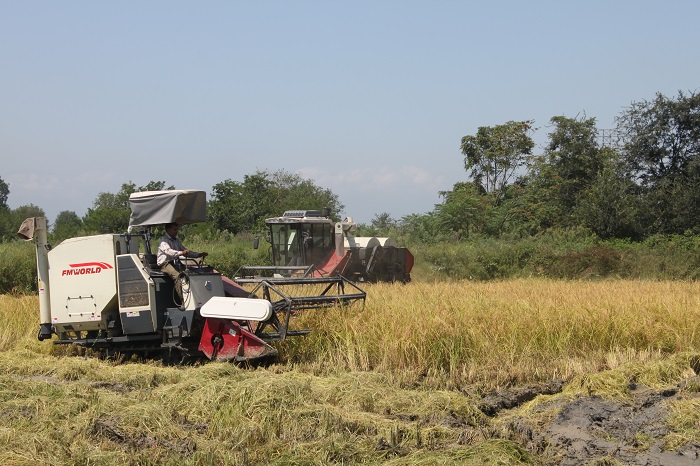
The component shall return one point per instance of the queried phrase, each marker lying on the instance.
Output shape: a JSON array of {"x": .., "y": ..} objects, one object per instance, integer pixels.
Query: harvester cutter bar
[
  {"x": 285, "y": 304},
  {"x": 246, "y": 274}
]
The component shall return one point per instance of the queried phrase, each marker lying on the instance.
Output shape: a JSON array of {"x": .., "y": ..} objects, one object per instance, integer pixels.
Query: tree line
[
  {"x": 640, "y": 180},
  {"x": 233, "y": 206}
]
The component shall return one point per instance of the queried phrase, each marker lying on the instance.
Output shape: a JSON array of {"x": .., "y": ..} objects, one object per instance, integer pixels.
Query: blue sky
[{"x": 368, "y": 98}]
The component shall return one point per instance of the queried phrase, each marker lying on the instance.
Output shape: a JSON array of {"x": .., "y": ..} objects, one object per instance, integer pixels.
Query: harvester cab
[
  {"x": 107, "y": 292},
  {"x": 309, "y": 243}
]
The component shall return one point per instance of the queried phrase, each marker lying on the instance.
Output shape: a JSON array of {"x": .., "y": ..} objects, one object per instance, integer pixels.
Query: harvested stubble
[{"x": 221, "y": 414}]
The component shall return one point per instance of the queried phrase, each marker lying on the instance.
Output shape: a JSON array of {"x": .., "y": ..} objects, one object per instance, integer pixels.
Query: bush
[
  {"x": 569, "y": 254},
  {"x": 18, "y": 267}
]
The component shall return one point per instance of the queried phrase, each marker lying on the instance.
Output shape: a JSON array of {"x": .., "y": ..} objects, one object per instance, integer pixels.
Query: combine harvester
[
  {"x": 105, "y": 292},
  {"x": 308, "y": 243}
]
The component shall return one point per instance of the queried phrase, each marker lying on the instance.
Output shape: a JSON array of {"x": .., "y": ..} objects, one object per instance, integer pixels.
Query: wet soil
[{"x": 595, "y": 430}]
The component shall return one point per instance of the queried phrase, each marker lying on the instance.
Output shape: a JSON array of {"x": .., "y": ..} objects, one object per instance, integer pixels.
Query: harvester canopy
[{"x": 160, "y": 207}]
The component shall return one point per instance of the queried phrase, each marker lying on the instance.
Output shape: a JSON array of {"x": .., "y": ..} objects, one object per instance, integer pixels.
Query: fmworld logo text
[{"x": 86, "y": 268}]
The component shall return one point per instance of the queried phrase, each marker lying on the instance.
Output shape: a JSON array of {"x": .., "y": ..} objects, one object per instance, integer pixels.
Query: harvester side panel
[
  {"x": 83, "y": 277},
  {"x": 137, "y": 296}
]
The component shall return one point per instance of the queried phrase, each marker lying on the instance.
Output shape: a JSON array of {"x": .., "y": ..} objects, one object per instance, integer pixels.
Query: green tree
[
  {"x": 462, "y": 209},
  {"x": 296, "y": 192},
  {"x": 495, "y": 153},
  {"x": 13, "y": 218},
  {"x": 573, "y": 153},
  {"x": 243, "y": 206},
  {"x": 557, "y": 179},
  {"x": 67, "y": 225},
  {"x": 421, "y": 228},
  {"x": 662, "y": 136},
  {"x": 4, "y": 193},
  {"x": 383, "y": 224},
  {"x": 110, "y": 212},
  {"x": 662, "y": 148},
  {"x": 610, "y": 206},
  {"x": 5, "y": 227}
]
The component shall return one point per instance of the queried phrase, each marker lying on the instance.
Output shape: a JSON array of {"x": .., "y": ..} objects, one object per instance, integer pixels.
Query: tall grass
[
  {"x": 493, "y": 334},
  {"x": 19, "y": 321},
  {"x": 17, "y": 267},
  {"x": 502, "y": 333},
  {"x": 229, "y": 253}
]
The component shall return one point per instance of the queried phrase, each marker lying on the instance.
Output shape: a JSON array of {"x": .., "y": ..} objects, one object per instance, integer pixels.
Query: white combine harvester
[{"x": 106, "y": 292}]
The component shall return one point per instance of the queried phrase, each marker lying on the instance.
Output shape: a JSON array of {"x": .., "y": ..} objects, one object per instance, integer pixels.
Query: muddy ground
[{"x": 595, "y": 430}]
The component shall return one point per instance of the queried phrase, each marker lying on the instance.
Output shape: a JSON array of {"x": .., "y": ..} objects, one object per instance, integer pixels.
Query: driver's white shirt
[{"x": 169, "y": 249}]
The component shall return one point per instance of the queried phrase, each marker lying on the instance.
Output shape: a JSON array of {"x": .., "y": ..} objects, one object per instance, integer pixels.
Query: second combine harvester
[{"x": 309, "y": 243}]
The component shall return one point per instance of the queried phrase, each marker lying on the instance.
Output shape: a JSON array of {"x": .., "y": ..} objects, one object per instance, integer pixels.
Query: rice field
[
  {"x": 497, "y": 334},
  {"x": 398, "y": 382}
]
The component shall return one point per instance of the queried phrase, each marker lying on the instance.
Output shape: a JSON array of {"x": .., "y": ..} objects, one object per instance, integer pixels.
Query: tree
[
  {"x": 238, "y": 207},
  {"x": 4, "y": 193},
  {"x": 662, "y": 149},
  {"x": 110, "y": 212},
  {"x": 295, "y": 192},
  {"x": 557, "y": 179},
  {"x": 462, "y": 209},
  {"x": 67, "y": 225},
  {"x": 610, "y": 207},
  {"x": 574, "y": 155},
  {"x": 383, "y": 223},
  {"x": 5, "y": 227},
  {"x": 495, "y": 154},
  {"x": 421, "y": 228},
  {"x": 662, "y": 136},
  {"x": 244, "y": 206},
  {"x": 13, "y": 218}
]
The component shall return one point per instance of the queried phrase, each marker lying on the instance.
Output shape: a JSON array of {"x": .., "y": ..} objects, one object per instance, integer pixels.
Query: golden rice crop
[
  {"x": 499, "y": 333},
  {"x": 19, "y": 320},
  {"x": 494, "y": 333}
]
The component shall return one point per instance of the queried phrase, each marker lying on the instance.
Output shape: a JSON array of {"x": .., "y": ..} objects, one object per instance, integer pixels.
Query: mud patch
[
  {"x": 513, "y": 397},
  {"x": 594, "y": 430}
]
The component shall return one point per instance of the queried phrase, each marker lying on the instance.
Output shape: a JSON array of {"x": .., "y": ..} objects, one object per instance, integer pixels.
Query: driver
[{"x": 169, "y": 249}]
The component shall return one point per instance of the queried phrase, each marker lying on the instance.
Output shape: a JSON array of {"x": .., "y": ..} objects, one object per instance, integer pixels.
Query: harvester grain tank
[
  {"x": 309, "y": 243},
  {"x": 106, "y": 292}
]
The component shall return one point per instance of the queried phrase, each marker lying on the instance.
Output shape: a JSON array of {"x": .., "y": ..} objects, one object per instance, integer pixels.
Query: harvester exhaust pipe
[{"x": 35, "y": 228}]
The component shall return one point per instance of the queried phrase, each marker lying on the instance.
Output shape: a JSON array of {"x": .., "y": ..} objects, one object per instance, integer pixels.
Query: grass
[{"x": 396, "y": 383}]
